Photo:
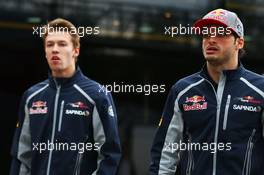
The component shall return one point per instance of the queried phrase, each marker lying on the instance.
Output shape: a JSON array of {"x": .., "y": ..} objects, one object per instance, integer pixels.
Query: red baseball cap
[{"x": 224, "y": 18}]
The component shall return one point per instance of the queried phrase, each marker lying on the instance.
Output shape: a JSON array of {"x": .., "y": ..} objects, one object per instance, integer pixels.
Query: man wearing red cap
[{"x": 212, "y": 123}]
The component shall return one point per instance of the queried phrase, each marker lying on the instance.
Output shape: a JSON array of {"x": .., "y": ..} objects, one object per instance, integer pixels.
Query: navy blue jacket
[
  {"x": 67, "y": 126},
  {"x": 207, "y": 129}
]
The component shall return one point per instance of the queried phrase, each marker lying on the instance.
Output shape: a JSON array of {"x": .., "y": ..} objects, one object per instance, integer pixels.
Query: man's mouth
[
  {"x": 55, "y": 58},
  {"x": 211, "y": 49}
]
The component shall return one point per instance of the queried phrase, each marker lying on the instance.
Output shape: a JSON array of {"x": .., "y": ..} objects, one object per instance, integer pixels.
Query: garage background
[{"x": 132, "y": 48}]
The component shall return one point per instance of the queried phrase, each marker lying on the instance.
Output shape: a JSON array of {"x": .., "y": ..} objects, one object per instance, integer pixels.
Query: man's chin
[
  {"x": 212, "y": 60},
  {"x": 56, "y": 69},
  {"x": 55, "y": 66}
]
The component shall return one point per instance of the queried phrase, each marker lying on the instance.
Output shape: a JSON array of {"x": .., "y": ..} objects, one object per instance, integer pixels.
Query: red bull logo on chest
[
  {"x": 38, "y": 107},
  {"x": 195, "y": 103}
]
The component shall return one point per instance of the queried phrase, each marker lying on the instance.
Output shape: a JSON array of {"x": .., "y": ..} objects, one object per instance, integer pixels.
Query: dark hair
[{"x": 241, "y": 52}]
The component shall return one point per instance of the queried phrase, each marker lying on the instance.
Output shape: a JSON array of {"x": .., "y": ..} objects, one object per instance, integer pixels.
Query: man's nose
[
  {"x": 55, "y": 48},
  {"x": 211, "y": 39}
]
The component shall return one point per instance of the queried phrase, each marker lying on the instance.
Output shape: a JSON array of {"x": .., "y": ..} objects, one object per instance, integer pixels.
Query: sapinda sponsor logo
[
  {"x": 247, "y": 108},
  {"x": 77, "y": 112},
  {"x": 79, "y": 105}
]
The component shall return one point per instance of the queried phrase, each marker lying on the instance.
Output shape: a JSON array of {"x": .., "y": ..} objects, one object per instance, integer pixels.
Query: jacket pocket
[
  {"x": 78, "y": 164},
  {"x": 226, "y": 111},
  {"x": 248, "y": 155},
  {"x": 190, "y": 163},
  {"x": 60, "y": 116},
  {"x": 79, "y": 158}
]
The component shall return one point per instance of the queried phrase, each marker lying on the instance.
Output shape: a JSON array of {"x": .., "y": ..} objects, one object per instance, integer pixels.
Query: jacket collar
[
  {"x": 230, "y": 74},
  {"x": 65, "y": 82}
]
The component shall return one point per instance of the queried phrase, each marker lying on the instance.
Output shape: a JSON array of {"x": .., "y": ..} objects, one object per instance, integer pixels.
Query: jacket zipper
[
  {"x": 226, "y": 111},
  {"x": 247, "y": 162},
  {"x": 53, "y": 126},
  {"x": 218, "y": 95},
  {"x": 60, "y": 117},
  {"x": 190, "y": 164}
]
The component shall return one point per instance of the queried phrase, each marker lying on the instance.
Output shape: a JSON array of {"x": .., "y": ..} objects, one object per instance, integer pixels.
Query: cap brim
[{"x": 205, "y": 22}]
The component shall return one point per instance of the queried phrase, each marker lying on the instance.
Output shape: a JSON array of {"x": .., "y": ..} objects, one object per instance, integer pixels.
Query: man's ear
[
  {"x": 76, "y": 52},
  {"x": 240, "y": 43}
]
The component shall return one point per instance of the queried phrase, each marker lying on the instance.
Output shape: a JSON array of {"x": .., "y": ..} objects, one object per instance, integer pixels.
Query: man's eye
[
  {"x": 49, "y": 44},
  {"x": 62, "y": 44},
  {"x": 205, "y": 35},
  {"x": 221, "y": 34}
]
